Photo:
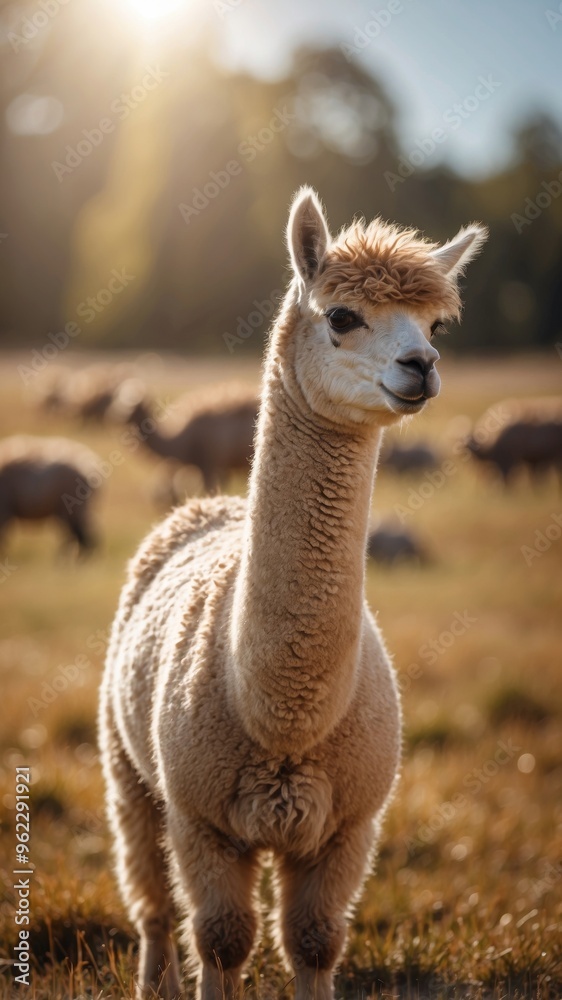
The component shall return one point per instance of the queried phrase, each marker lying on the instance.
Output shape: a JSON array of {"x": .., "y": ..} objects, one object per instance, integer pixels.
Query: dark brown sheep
[
  {"x": 91, "y": 392},
  {"x": 47, "y": 392},
  {"x": 44, "y": 478},
  {"x": 521, "y": 433},
  {"x": 86, "y": 394},
  {"x": 409, "y": 458},
  {"x": 215, "y": 435},
  {"x": 389, "y": 544}
]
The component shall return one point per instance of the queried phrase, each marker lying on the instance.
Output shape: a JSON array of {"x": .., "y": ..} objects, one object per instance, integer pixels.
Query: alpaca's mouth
[{"x": 406, "y": 404}]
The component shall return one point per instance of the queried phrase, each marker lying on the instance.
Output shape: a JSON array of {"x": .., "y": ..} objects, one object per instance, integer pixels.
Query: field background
[{"x": 466, "y": 899}]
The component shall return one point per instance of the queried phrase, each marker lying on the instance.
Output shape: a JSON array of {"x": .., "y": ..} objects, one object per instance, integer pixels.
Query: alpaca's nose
[
  {"x": 418, "y": 363},
  {"x": 418, "y": 373}
]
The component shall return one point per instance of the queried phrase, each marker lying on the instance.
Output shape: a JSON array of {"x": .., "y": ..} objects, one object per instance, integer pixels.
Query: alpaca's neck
[{"x": 298, "y": 604}]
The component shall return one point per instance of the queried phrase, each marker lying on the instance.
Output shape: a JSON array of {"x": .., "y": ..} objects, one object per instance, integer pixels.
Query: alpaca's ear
[
  {"x": 307, "y": 233},
  {"x": 453, "y": 256}
]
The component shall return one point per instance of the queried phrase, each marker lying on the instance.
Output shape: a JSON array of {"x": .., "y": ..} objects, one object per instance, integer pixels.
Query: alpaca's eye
[
  {"x": 438, "y": 328},
  {"x": 341, "y": 320}
]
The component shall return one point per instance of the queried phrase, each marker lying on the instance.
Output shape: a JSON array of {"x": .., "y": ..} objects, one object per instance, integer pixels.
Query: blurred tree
[{"x": 180, "y": 175}]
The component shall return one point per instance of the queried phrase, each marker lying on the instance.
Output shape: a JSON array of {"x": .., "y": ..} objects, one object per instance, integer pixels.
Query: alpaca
[
  {"x": 517, "y": 433},
  {"x": 248, "y": 702},
  {"x": 44, "y": 478},
  {"x": 215, "y": 435}
]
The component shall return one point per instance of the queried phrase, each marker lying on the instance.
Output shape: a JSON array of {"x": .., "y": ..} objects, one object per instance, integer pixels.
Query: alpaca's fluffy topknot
[{"x": 385, "y": 264}]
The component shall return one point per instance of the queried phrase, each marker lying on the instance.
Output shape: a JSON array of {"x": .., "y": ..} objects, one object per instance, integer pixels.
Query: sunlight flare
[{"x": 154, "y": 9}]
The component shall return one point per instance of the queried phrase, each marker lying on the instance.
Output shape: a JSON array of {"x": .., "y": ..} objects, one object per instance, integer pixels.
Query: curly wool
[
  {"x": 249, "y": 703},
  {"x": 386, "y": 264}
]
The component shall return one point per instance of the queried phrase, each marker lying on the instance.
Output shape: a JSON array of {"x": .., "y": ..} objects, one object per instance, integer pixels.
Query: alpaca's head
[{"x": 370, "y": 301}]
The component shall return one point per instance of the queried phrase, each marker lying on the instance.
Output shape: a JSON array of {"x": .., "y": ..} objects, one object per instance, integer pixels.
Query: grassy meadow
[{"x": 466, "y": 900}]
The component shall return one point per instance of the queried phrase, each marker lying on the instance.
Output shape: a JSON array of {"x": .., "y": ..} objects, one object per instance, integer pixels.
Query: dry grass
[{"x": 465, "y": 902}]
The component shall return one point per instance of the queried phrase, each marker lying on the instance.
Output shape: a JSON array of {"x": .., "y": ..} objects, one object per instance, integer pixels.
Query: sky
[
  {"x": 472, "y": 69},
  {"x": 430, "y": 54}
]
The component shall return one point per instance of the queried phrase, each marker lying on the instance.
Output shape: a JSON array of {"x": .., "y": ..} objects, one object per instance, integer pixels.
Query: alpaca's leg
[
  {"x": 219, "y": 875},
  {"x": 315, "y": 895},
  {"x": 137, "y": 826}
]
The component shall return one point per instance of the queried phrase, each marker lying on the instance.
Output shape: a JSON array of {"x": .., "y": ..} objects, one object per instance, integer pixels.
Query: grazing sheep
[
  {"x": 91, "y": 392},
  {"x": 389, "y": 544},
  {"x": 248, "y": 703},
  {"x": 520, "y": 433},
  {"x": 44, "y": 478},
  {"x": 408, "y": 458},
  {"x": 86, "y": 394},
  {"x": 47, "y": 391},
  {"x": 216, "y": 436}
]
